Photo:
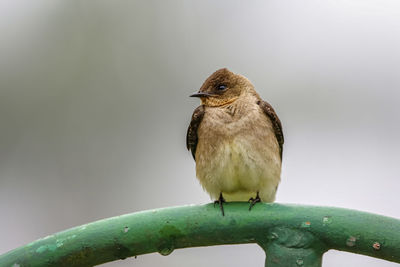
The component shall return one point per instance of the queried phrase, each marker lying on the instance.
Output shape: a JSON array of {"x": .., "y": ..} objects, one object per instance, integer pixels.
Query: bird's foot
[
  {"x": 253, "y": 201},
  {"x": 220, "y": 202}
]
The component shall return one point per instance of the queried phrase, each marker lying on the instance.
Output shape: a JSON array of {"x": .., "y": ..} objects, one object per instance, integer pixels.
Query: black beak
[{"x": 201, "y": 94}]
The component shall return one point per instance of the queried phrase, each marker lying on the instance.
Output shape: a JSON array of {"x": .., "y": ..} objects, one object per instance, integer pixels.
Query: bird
[{"x": 236, "y": 140}]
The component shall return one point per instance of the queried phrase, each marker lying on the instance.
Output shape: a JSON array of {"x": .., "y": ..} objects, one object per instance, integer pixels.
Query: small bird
[{"x": 236, "y": 140}]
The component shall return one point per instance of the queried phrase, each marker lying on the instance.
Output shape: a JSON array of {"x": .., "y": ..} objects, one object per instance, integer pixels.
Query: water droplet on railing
[
  {"x": 299, "y": 262},
  {"x": 274, "y": 236},
  {"x": 326, "y": 220},
  {"x": 166, "y": 251},
  {"x": 351, "y": 241},
  {"x": 126, "y": 229}
]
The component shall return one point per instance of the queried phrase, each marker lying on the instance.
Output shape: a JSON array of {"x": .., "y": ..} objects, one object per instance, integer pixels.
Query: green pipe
[{"x": 292, "y": 235}]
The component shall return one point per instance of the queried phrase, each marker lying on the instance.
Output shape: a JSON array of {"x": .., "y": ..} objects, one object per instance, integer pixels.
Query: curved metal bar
[{"x": 292, "y": 235}]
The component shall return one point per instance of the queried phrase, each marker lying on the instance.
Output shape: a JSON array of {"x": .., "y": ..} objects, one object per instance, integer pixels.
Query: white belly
[{"x": 239, "y": 169}]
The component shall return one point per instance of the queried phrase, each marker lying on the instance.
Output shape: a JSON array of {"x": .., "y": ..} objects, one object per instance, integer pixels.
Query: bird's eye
[{"x": 221, "y": 87}]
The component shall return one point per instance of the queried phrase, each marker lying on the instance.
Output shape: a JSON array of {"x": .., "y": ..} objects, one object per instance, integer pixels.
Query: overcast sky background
[{"x": 94, "y": 108}]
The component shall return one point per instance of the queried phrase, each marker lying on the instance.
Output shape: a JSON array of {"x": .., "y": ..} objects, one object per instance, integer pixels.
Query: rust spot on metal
[{"x": 376, "y": 246}]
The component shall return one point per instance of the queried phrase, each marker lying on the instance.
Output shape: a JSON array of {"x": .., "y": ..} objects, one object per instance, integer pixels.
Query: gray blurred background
[{"x": 94, "y": 109}]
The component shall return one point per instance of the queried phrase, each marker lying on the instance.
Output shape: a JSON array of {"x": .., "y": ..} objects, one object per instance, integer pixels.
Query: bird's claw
[
  {"x": 253, "y": 201},
  {"x": 220, "y": 202}
]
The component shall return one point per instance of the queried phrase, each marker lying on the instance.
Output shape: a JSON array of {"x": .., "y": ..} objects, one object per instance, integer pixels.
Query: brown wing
[
  {"x": 276, "y": 123},
  {"x": 191, "y": 136}
]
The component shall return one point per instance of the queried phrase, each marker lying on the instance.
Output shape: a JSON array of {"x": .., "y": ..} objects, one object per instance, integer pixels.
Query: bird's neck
[{"x": 241, "y": 106}]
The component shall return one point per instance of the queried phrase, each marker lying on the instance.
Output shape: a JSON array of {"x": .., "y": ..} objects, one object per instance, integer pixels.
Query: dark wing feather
[
  {"x": 276, "y": 123},
  {"x": 191, "y": 136}
]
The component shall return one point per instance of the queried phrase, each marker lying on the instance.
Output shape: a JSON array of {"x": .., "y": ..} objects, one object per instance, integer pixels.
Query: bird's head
[{"x": 223, "y": 87}]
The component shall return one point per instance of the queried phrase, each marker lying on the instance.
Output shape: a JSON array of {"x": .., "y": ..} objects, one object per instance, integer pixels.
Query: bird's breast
[{"x": 237, "y": 155}]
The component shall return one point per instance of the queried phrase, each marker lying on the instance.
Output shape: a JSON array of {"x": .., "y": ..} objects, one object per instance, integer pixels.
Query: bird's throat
[{"x": 217, "y": 102}]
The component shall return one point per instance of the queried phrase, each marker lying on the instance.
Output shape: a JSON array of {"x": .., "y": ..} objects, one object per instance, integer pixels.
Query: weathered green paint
[
  {"x": 292, "y": 247},
  {"x": 292, "y": 235}
]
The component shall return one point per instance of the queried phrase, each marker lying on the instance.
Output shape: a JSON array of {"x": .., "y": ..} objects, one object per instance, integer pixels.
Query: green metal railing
[{"x": 291, "y": 235}]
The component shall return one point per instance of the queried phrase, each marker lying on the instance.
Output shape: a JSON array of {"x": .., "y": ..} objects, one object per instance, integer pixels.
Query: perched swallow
[{"x": 236, "y": 140}]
